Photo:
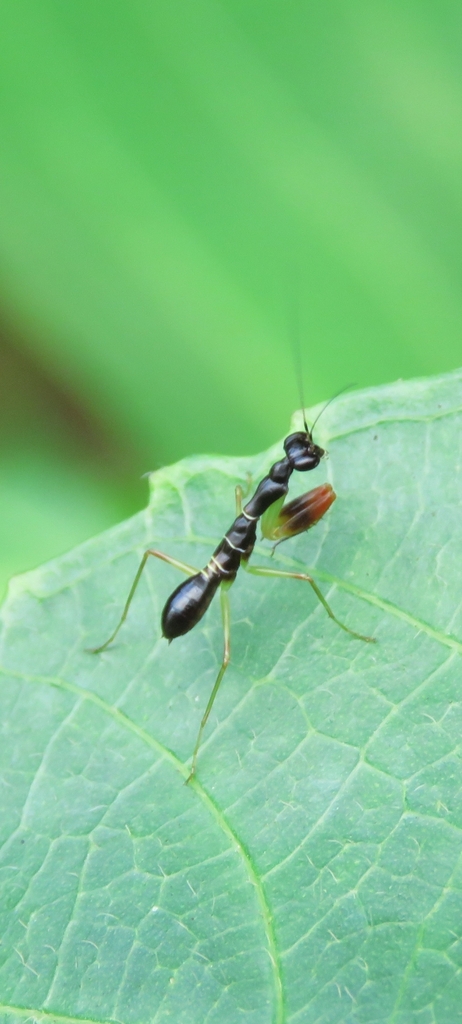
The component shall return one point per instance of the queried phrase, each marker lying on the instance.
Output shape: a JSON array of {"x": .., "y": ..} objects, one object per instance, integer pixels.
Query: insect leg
[
  {"x": 241, "y": 493},
  {"x": 258, "y": 570},
  {"x": 225, "y": 613},
  {"x": 188, "y": 569}
]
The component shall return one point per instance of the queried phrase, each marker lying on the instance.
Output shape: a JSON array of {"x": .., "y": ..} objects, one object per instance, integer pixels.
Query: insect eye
[{"x": 307, "y": 459}]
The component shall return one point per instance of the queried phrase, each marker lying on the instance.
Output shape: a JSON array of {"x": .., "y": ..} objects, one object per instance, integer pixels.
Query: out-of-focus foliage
[
  {"x": 174, "y": 178},
  {"x": 62, "y": 474}
]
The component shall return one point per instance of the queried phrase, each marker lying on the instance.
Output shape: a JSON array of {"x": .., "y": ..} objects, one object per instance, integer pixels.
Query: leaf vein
[{"x": 122, "y": 719}]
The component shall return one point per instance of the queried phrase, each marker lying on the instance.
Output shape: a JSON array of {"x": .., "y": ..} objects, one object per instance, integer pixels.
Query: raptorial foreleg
[{"x": 280, "y": 522}]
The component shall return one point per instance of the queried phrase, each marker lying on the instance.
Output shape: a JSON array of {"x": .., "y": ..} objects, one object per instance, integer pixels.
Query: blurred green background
[{"x": 172, "y": 173}]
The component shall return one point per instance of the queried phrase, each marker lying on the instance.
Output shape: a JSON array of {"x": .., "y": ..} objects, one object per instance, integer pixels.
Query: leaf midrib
[
  {"x": 125, "y": 722},
  {"x": 32, "y": 1011}
]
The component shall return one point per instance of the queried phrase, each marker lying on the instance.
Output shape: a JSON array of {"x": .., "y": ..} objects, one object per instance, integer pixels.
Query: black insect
[{"x": 189, "y": 602}]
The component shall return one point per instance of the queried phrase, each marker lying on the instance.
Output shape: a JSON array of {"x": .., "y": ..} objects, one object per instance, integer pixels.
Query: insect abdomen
[{"x": 188, "y": 603}]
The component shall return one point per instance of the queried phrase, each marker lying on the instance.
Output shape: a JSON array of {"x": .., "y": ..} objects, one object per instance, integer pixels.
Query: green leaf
[{"x": 312, "y": 872}]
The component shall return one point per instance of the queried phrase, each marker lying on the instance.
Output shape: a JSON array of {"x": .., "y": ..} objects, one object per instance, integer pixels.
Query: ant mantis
[{"x": 190, "y": 600}]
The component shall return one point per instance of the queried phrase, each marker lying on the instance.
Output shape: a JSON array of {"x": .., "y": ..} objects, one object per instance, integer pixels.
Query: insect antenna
[
  {"x": 295, "y": 334},
  {"x": 337, "y": 395},
  {"x": 295, "y": 337}
]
